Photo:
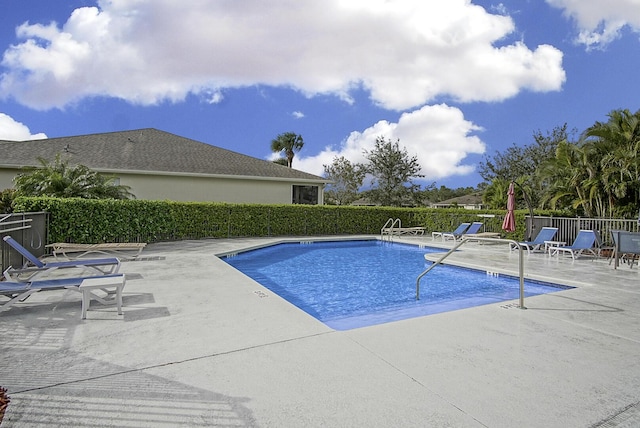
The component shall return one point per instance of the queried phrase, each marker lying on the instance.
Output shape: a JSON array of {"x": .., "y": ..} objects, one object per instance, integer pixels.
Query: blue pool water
[{"x": 350, "y": 284}]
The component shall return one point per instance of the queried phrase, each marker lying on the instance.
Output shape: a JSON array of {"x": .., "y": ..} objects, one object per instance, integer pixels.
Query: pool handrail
[
  {"x": 388, "y": 228},
  {"x": 474, "y": 238}
]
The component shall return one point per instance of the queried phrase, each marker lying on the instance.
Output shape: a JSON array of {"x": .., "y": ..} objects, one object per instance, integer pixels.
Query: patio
[{"x": 201, "y": 344}]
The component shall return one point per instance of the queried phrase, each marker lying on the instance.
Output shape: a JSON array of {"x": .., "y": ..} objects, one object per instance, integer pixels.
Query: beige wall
[
  {"x": 180, "y": 188},
  {"x": 6, "y": 178},
  {"x": 207, "y": 189}
]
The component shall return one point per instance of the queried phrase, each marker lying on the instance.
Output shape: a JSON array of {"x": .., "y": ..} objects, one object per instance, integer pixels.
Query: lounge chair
[
  {"x": 601, "y": 248},
  {"x": 472, "y": 230},
  {"x": 34, "y": 267},
  {"x": 545, "y": 234},
  {"x": 584, "y": 242},
  {"x": 626, "y": 247},
  {"x": 20, "y": 291},
  {"x": 71, "y": 250},
  {"x": 459, "y": 231}
]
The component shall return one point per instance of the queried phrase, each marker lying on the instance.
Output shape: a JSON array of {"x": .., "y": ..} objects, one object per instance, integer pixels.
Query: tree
[
  {"x": 600, "y": 174},
  {"x": 58, "y": 179},
  {"x": 617, "y": 143},
  {"x": 393, "y": 170},
  {"x": 347, "y": 179},
  {"x": 521, "y": 163},
  {"x": 6, "y": 200},
  {"x": 289, "y": 143},
  {"x": 563, "y": 177},
  {"x": 495, "y": 195}
]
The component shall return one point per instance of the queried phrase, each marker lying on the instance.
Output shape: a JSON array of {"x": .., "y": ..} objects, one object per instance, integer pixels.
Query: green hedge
[{"x": 94, "y": 221}]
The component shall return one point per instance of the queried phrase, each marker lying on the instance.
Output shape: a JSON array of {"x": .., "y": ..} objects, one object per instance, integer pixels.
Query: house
[
  {"x": 469, "y": 202},
  {"x": 158, "y": 165}
]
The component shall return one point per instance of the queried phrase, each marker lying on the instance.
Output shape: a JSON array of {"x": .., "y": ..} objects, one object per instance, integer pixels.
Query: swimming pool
[{"x": 350, "y": 284}]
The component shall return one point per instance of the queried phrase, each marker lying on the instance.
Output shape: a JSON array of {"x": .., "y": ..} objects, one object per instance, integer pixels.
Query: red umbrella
[{"x": 509, "y": 223}]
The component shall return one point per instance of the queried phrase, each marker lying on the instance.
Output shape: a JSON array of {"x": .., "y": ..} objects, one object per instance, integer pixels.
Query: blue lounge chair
[
  {"x": 34, "y": 267},
  {"x": 20, "y": 291},
  {"x": 584, "y": 242},
  {"x": 472, "y": 230},
  {"x": 545, "y": 234},
  {"x": 459, "y": 231}
]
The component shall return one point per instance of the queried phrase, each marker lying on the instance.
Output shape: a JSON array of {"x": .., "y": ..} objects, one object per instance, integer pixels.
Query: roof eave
[{"x": 203, "y": 175}]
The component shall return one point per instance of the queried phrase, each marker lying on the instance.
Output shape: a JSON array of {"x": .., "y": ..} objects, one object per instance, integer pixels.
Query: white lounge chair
[{"x": 71, "y": 250}]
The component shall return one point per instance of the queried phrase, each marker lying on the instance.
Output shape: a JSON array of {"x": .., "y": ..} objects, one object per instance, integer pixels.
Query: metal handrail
[
  {"x": 386, "y": 226},
  {"x": 474, "y": 238}
]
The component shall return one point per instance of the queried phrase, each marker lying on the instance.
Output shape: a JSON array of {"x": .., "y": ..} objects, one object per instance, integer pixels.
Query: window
[{"x": 305, "y": 195}]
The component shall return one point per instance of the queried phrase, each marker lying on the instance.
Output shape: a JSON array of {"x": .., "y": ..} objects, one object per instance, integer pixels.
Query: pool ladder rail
[
  {"x": 393, "y": 227},
  {"x": 467, "y": 239}
]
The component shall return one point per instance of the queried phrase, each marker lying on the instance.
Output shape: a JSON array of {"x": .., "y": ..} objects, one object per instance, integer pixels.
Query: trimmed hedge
[{"x": 94, "y": 221}]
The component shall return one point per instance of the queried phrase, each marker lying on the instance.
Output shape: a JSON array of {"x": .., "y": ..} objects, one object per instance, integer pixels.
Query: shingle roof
[
  {"x": 146, "y": 150},
  {"x": 471, "y": 199}
]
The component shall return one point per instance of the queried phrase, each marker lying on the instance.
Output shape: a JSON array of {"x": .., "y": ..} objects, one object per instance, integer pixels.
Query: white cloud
[
  {"x": 298, "y": 114},
  {"x": 600, "y": 22},
  {"x": 12, "y": 130},
  {"x": 406, "y": 53},
  {"x": 438, "y": 135}
]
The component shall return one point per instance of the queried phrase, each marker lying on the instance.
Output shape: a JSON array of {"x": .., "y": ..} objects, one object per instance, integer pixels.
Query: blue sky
[{"x": 454, "y": 81}]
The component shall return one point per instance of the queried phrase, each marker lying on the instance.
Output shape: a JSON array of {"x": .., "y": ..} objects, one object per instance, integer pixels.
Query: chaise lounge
[
  {"x": 75, "y": 251},
  {"x": 626, "y": 247},
  {"x": 20, "y": 291},
  {"x": 472, "y": 230},
  {"x": 34, "y": 267},
  {"x": 545, "y": 234},
  {"x": 459, "y": 231},
  {"x": 584, "y": 242}
]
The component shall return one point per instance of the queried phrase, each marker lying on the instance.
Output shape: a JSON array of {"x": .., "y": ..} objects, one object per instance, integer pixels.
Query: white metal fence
[{"x": 568, "y": 227}]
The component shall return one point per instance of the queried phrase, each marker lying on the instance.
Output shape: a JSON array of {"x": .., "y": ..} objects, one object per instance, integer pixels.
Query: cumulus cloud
[
  {"x": 298, "y": 114},
  {"x": 438, "y": 135},
  {"x": 599, "y": 22},
  {"x": 12, "y": 130},
  {"x": 404, "y": 52}
]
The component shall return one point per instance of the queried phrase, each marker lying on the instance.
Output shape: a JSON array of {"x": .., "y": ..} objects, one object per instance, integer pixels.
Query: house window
[{"x": 305, "y": 195}]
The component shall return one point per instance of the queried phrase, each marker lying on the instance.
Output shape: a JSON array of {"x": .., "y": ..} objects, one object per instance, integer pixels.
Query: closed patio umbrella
[{"x": 509, "y": 223}]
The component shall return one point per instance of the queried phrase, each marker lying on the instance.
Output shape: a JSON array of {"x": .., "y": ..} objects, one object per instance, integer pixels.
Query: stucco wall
[
  {"x": 6, "y": 178},
  {"x": 207, "y": 189},
  {"x": 196, "y": 188}
]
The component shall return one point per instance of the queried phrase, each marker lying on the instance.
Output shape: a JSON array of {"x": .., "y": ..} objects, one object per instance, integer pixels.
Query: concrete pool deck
[{"x": 201, "y": 344}]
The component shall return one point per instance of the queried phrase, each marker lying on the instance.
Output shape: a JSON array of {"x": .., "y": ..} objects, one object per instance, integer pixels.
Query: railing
[
  {"x": 568, "y": 227},
  {"x": 467, "y": 239},
  {"x": 387, "y": 229}
]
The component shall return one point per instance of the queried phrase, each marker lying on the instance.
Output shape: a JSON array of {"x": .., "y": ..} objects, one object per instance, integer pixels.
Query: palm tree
[
  {"x": 495, "y": 195},
  {"x": 289, "y": 143},
  {"x": 58, "y": 179},
  {"x": 565, "y": 176},
  {"x": 618, "y": 142}
]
